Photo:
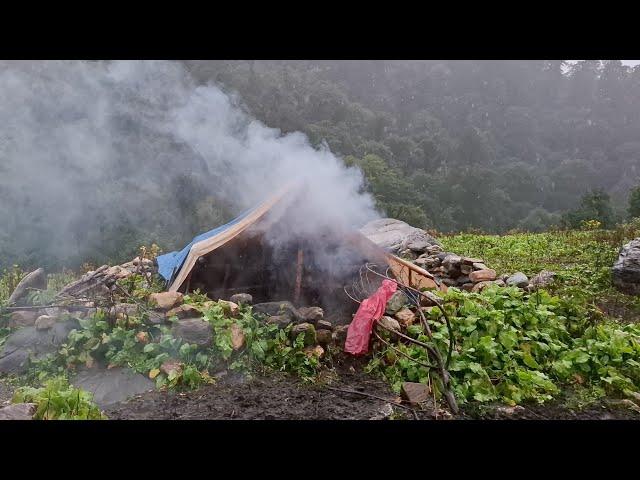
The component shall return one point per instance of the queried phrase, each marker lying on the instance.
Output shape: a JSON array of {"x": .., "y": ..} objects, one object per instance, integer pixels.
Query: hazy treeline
[{"x": 458, "y": 144}]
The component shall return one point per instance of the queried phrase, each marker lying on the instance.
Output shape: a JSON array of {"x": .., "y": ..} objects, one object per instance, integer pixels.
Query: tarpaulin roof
[
  {"x": 176, "y": 266},
  {"x": 170, "y": 263}
]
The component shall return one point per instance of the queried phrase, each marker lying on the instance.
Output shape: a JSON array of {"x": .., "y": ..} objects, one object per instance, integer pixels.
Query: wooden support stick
[{"x": 299, "y": 265}]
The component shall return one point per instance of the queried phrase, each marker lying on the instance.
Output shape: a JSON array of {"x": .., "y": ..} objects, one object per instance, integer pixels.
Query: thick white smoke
[{"x": 87, "y": 145}]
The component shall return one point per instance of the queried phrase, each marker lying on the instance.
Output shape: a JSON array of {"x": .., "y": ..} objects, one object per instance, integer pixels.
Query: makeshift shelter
[{"x": 239, "y": 258}]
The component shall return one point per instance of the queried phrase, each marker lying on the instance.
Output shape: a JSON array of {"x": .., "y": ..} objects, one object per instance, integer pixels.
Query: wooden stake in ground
[{"x": 299, "y": 266}]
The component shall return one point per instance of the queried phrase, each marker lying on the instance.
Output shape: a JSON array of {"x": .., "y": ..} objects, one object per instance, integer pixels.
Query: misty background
[{"x": 97, "y": 158}]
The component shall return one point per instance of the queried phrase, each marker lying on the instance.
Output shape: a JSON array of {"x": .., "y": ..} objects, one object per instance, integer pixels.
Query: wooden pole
[{"x": 299, "y": 265}]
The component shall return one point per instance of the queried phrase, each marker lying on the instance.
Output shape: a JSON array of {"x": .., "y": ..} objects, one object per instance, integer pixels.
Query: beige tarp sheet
[{"x": 404, "y": 271}]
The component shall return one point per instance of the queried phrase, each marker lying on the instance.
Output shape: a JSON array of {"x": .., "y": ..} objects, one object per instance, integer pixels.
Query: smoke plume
[{"x": 96, "y": 156}]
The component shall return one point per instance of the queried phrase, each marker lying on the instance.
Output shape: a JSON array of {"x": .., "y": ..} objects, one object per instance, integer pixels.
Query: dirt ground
[
  {"x": 281, "y": 397},
  {"x": 272, "y": 397}
]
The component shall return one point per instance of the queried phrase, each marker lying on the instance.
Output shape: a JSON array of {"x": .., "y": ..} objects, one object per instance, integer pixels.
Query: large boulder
[
  {"x": 31, "y": 342},
  {"x": 396, "y": 236},
  {"x": 626, "y": 271},
  {"x": 34, "y": 280}
]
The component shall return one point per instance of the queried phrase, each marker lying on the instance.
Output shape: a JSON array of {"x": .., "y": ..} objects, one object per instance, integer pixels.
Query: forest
[{"x": 457, "y": 145}]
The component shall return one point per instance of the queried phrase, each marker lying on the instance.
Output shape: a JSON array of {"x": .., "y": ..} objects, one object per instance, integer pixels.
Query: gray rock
[
  {"x": 284, "y": 308},
  {"x": 45, "y": 322},
  {"x": 308, "y": 330},
  {"x": 396, "y": 302},
  {"x": 155, "y": 318},
  {"x": 542, "y": 279},
  {"x": 23, "y": 318},
  {"x": 282, "y": 321},
  {"x": 241, "y": 299},
  {"x": 415, "y": 393},
  {"x": 518, "y": 279},
  {"x": 451, "y": 263},
  {"x": 193, "y": 330},
  {"x": 324, "y": 325},
  {"x": 34, "y": 280},
  {"x": 395, "y": 235},
  {"x": 30, "y": 342},
  {"x": 18, "y": 411},
  {"x": 311, "y": 314},
  {"x": 389, "y": 323},
  {"x": 451, "y": 282},
  {"x": 626, "y": 271},
  {"x": 324, "y": 337},
  {"x": 113, "y": 385}
]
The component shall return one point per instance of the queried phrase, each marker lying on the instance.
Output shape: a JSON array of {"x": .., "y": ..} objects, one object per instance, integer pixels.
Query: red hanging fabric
[{"x": 371, "y": 310}]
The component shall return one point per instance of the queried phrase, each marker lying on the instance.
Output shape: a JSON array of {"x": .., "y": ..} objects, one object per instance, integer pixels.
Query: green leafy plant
[{"x": 57, "y": 400}]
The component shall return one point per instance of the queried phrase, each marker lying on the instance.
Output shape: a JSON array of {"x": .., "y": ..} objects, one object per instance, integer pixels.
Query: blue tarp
[{"x": 170, "y": 263}]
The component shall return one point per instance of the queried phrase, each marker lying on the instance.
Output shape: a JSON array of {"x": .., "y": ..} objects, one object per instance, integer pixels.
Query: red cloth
[{"x": 370, "y": 310}]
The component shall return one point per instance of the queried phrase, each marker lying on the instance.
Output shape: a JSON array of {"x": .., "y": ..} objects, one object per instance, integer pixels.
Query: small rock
[
  {"x": 23, "y": 318},
  {"x": 450, "y": 282},
  {"x": 45, "y": 322},
  {"x": 237, "y": 337},
  {"x": 415, "y": 393},
  {"x": 420, "y": 261},
  {"x": 451, "y": 262},
  {"x": 284, "y": 308},
  {"x": 471, "y": 261},
  {"x": 542, "y": 279},
  {"x": 142, "y": 337},
  {"x": 184, "y": 311},
  {"x": 314, "y": 351},
  {"x": 230, "y": 308},
  {"x": 385, "y": 412},
  {"x": 483, "y": 275},
  {"x": 518, "y": 279},
  {"x": 166, "y": 300},
  {"x": 396, "y": 302},
  {"x": 479, "y": 266},
  {"x": 340, "y": 334},
  {"x": 308, "y": 330},
  {"x": 466, "y": 269},
  {"x": 478, "y": 287},
  {"x": 18, "y": 411},
  {"x": 193, "y": 330},
  {"x": 409, "y": 254},
  {"x": 282, "y": 321},
  {"x": 434, "y": 249},
  {"x": 500, "y": 283},
  {"x": 156, "y": 318},
  {"x": 405, "y": 317},
  {"x": 171, "y": 366},
  {"x": 324, "y": 325},
  {"x": 467, "y": 287},
  {"x": 324, "y": 337},
  {"x": 311, "y": 314},
  {"x": 463, "y": 279},
  {"x": 390, "y": 323},
  {"x": 241, "y": 299}
]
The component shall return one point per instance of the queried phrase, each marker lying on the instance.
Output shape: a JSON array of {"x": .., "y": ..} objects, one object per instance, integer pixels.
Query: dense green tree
[
  {"x": 595, "y": 205},
  {"x": 634, "y": 203}
]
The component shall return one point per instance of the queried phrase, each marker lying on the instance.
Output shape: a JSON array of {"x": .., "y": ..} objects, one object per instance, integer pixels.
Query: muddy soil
[{"x": 272, "y": 397}]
